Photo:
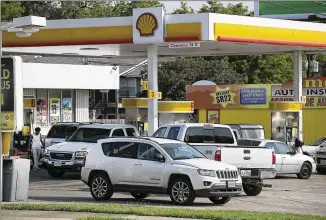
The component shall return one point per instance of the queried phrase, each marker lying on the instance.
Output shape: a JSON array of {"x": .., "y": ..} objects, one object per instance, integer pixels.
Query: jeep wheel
[
  {"x": 220, "y": 200},
  {"x": 181, "y": 192},
  {"x": 101, "y": 188},
  {"x": 56, "y": 173},
  {"x": 139, "y": 196},
  {"x": 305, "y": 172},
  {"x": 321, "y": 171},
  {"x": 252, "y": 190}
]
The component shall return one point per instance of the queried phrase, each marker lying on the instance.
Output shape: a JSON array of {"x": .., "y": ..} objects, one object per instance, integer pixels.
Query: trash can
[{"x": 15, "y": 179}]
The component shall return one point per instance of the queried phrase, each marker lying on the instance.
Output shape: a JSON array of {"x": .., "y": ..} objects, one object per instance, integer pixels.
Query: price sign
[
  {"x": 159, "y": 95},
  {"x": 145, "y": 85},
  {"x": 151, "y": 94}
]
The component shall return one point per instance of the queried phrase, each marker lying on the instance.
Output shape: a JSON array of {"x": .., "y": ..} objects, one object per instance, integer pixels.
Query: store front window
[
  {"x": 67, "y": 113},
  {"x": 53, "y": 106}
]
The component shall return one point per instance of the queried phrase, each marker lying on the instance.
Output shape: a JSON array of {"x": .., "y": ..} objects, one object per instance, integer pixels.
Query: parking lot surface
[{"x": 288, "y": 194}]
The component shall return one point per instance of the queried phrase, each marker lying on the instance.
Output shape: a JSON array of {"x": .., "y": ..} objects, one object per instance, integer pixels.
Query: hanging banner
[
  {"x": 54, "y": 110},
  {"x": 67, "y": 109},
  {"x": 41, "y": 112}
]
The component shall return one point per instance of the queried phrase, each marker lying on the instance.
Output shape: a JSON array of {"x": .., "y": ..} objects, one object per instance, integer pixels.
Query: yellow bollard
[{"x": 6, "y": 138}]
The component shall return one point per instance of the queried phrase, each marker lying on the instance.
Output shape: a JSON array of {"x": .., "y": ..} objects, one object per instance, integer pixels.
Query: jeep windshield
[
  {"x": 90, "y": 135},
  {"x": 181, "y": 151},
  {"x": 61, "y": 131}
]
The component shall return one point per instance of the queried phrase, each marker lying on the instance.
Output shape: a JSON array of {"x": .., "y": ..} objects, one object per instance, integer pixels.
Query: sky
[{"x": 171, "y": 5}]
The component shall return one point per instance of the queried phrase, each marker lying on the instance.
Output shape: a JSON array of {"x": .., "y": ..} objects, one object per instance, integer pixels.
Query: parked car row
[{"x": 184, "y": 161}]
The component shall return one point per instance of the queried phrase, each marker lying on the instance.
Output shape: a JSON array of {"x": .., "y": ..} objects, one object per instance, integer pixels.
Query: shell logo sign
[{"x": 147, "y": 25}]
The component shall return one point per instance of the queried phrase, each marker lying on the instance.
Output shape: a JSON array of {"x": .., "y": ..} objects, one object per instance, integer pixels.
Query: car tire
[
  {"x": 252, "y": 190},
  {"x": 321, "y": 171},
  {"x": 305, "y": 172},
  {"x": 220, "y": 200},
  {"x": 139, "y": 196},
  {"x": 56, "y": 173},
  {"x": 181, "y": 191},
  {"x": 100, "y": 187}
]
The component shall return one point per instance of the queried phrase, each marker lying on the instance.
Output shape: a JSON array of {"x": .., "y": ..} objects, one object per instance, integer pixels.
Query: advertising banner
[
  {"x": 7, "y": 94},
  {"x": 54, "y": 110},
  {"x": 229, "y": 96},
  {"x": 213, "y": 117},
  {"x": 314, "y": 89},
  {"x": 41, "y": 112},
  {"x": 67, "y": 109}
]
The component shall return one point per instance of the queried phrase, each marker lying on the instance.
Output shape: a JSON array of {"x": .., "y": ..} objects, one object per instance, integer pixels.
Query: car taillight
[
  {"x": 218, "y": 155},
  {"x": 273, "y": 158}
]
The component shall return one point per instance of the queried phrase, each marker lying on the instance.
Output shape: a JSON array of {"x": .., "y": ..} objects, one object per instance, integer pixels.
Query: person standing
[
  {"x": 298, "y": 146},
  {"x": 36, "y": 147}
]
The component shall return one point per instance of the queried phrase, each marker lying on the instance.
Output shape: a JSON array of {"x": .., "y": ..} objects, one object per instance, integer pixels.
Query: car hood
[
  {"x": 310, "y": 149},
  {"x": 49, "y": 141},
  {"x": 207, "y": 164},
  {"x": 71, "y": 146}
]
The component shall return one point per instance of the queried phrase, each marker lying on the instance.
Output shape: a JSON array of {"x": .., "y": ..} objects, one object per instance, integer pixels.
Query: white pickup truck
[{"x": 217, "y": 142}]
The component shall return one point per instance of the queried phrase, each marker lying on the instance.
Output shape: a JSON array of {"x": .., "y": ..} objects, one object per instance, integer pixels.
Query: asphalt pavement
[{"x": 288, "y": 194}]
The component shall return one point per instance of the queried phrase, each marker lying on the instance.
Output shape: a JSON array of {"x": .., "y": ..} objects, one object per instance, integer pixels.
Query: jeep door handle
[{"x": 138, "y": 163}]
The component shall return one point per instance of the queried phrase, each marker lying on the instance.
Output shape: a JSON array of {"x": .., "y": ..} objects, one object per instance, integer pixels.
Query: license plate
[
  {"x": 323, "y": 161},
  {"x": 245, "y": 172},
  {"x": 57, "y": 164},
  {"x": 231, "y": 184}
]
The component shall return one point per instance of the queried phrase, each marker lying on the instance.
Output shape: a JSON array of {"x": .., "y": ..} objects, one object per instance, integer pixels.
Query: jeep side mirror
[{"x": 159, "y": 157}]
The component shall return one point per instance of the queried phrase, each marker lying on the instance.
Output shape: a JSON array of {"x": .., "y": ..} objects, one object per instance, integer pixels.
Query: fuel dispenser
[{"x": 285, "y": 126}]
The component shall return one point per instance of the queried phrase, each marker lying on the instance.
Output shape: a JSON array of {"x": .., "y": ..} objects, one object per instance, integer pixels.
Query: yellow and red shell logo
[{"x": 146, "y": 24}]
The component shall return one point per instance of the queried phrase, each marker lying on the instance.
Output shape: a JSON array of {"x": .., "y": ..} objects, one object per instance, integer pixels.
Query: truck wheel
[
  {"x": 220, "y": 200},
  {"x": 305, "y": 172},
  {"x": 139, "y": 195},
  {"x": 321, "y": 171},
  {"x": 101, "y": 188},
  {"x": 55, "y": 173},
  {"x": 252, "y": 190},
  {"x": 181, "y": 191}
]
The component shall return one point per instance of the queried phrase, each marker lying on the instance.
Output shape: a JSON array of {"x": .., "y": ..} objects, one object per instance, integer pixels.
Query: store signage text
[
  {"x": 223, "y": 97},
  {"x": 252, "y": 96},
  {"x": 314, "y": 90},
  {"x": 184, "y": 45}
]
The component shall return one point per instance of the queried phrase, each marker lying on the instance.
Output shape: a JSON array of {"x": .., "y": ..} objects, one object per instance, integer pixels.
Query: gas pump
[{"x": 285, "y": 126}]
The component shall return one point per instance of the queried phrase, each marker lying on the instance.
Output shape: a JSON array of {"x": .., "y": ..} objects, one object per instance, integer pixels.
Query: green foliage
[
  {"x": 218, "y": 7},
  {"x": 10, "y": 10},
  {"x": 184, "y": 9},
  {"x": 174, "y": 76}
]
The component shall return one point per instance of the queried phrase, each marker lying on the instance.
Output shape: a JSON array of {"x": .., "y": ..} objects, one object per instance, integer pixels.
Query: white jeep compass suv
[{"x": 159, "y": 166}]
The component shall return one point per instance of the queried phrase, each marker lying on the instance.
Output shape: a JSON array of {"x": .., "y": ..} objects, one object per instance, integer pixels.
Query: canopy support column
[
  {"x": 297, "y": 85},
  {"x": 152, "y": 85}
]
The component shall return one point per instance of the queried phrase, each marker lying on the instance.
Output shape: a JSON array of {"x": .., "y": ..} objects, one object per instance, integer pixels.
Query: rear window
[
  {"x": 216, "y": 135},
  {"x": 61, "y": 131},
  {"x": 249, "y": 142},
  {"x": 90, "y": 135},
  {"x": 131, "y": 132}
]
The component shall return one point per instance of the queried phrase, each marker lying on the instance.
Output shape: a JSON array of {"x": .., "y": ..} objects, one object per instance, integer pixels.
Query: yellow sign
[
  {"x": 213, "y": 117},
  {"x": 304, "y": 99},
  {"x": 145, "y": 85},
  {"x": 8, "y": 120},
  {"x": 159, "y": 95},
  {"x": 146, "y": 24},
  {"x": 29, "y": 103},
  {"x": 151, "y": 94},
  {"x": 223, "y": 96}
]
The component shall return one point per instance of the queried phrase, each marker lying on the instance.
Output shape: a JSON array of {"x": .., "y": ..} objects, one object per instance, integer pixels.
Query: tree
[
  {"x": 184, "y": 9},
  {"x": 218, "y": 7},
  {"x": 174, "y": 76}
]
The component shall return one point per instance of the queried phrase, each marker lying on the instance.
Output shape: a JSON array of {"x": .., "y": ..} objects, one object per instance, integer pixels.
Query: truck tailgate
[{"x": 247, "y": 157}]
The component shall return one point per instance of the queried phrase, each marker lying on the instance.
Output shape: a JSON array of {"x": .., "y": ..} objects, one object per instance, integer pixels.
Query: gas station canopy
[{"x": 218, "y": 34}]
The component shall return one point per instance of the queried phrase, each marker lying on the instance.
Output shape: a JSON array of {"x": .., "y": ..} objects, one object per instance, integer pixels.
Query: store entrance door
[{"x": 285, "y": 126}]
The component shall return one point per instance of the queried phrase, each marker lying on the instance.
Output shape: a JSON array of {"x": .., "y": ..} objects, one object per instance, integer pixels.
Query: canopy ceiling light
[{"x": 25, "y": 26}]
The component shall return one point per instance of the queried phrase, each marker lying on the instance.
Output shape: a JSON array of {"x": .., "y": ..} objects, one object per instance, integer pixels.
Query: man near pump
[
  {"x": 298, "y": 145},
  {"x": 36, "y": 147}
]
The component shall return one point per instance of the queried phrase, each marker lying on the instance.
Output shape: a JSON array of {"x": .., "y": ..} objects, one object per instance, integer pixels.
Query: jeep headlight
[
  {"x": 206, "y": 172},
  {"x": 46, "y": 152},
  {"x": 80, "y": 153}
]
